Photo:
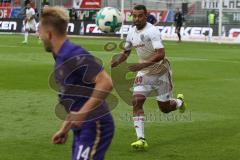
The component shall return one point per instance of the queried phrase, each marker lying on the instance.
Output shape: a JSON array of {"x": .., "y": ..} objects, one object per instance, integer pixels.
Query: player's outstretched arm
[{"x": 120, "y": 58}]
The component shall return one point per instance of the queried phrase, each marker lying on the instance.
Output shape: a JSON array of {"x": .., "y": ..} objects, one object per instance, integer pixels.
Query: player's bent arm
[
  {"x": 66, "y": 126},
  {"x": 157, "y": 57},
  {"x": 103, "y": 86},
  {"x": 124, "y": 55},
  {"x": 120, "y": 58}
]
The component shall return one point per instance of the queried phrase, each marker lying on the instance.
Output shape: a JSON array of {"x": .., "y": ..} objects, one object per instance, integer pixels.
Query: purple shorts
[{"x": 92, "y": 140}]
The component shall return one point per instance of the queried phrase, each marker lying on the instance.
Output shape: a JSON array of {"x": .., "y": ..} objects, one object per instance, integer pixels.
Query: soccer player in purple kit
[{"x": 92, "y": 132}]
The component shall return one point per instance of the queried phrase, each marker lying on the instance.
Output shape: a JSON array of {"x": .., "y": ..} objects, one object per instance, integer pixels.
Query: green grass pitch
[{"x": 207, "y": 74}]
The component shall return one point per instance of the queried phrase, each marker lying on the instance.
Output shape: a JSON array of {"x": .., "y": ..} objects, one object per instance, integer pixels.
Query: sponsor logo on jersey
[{"x": 139, "y": 46}]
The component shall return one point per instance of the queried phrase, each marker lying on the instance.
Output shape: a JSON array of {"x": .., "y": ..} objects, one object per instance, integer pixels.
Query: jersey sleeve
[
  {"x": 128, "y": 44},
  {"x": 95, "y": 66},
  {"x": 155, "y": 37},
  {"x": 82, "y": 64},
  {"x": 92, "y": 67}
]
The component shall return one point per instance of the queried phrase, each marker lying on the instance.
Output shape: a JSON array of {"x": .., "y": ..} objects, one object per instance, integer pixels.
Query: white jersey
[
  {"x": 29, "y": 13},
  {"x": 146, "y": 41}
]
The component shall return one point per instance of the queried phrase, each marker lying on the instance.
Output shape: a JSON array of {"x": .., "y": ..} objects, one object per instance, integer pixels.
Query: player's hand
[
  {"x": 60, "y": 137},
  {"x": 136, "y": 67}
]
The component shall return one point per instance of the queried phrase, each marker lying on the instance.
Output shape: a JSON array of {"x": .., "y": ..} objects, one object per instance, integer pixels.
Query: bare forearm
[
  {"x": 155, "y": 59},
  {"x": 123, "y": 56},
  {"x": 120, "y": 58},
  {"x": 158, "y": 56},
  {"x": 67, "y": 125}
]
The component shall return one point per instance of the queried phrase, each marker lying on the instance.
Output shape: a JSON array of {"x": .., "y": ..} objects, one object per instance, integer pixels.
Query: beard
[
  {"x": 48, "y": 46},
  {"x": 140, "y": 25}
]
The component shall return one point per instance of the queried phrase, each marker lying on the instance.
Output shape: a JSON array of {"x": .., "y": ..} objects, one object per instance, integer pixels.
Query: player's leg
[
  {"x": 178, "y": 31},
  {"x": 26, "y": 32},
  {"x": 168, "y": 106},
  {"x": 36, "y": 29},
  {"x": 165, "y": 101},
  {"x": 141, "y": 91},
  {"x": 92, "y": 140},
  {"x": 33, "y": 26},
  {"x": 138, "y": 120},
  {"x": 138, "y": 115},
  {"x": 173, "y": 104}
]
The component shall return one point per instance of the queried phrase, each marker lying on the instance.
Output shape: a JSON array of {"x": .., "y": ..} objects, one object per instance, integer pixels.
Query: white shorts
[
  {"x": 162, "y": 84},
  {"x": 29, "y": 26}
]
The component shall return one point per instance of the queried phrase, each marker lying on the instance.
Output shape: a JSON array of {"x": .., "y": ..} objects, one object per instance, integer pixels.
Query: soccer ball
[{"x": 109, "y": 19}]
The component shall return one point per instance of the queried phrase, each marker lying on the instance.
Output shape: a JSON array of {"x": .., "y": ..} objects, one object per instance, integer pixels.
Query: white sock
[
  {"x": 179, "y": 103},
  {"x": 139, "y": 126},
  {"x": 26, "y": 36}
]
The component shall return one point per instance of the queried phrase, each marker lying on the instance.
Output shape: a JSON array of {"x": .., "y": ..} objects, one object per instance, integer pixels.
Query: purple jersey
[{"x": 75, "y": 70}]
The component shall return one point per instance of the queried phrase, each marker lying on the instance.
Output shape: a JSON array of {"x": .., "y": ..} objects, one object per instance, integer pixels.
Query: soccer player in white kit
[
  {"x": 153, "y": 72},
  {"x": 29, "y": 22}
]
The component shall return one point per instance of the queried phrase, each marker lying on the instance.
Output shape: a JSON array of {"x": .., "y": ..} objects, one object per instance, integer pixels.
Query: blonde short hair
[{"x": 57, "y": 18}]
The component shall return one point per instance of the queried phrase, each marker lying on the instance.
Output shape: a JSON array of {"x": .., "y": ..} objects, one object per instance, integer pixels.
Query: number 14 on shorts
[{"x": 83, "y": 154}]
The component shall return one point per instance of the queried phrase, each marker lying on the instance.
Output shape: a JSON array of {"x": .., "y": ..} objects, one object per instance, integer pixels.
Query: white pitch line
[
  {"x": 114, "y": 53},
  {"x": 178, "y": 58},
  {"x": 8, "y": 46},
  {"x": 22, "y": 45}
]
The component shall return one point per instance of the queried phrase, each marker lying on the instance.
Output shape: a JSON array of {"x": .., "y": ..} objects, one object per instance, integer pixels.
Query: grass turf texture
[{"x": 207, "y": 74}]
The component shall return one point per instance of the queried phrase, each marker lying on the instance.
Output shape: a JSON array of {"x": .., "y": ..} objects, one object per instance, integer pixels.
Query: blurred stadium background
[{"x": 224, "y": 28}]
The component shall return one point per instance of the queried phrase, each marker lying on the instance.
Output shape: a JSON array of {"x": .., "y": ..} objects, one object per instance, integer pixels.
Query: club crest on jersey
[{"x": 144, "y": 38}]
